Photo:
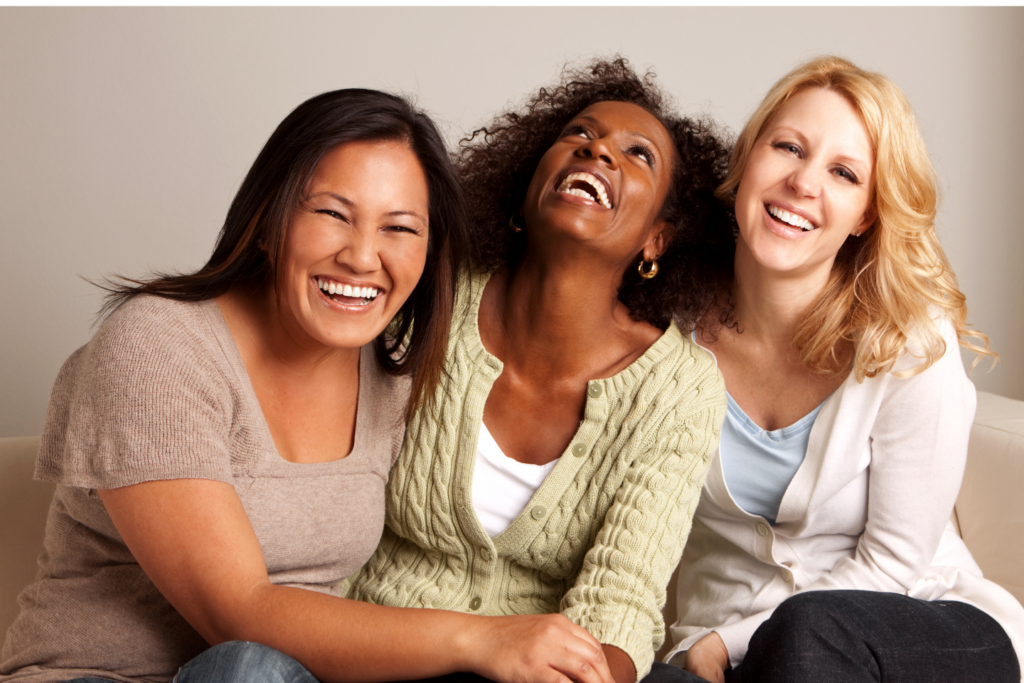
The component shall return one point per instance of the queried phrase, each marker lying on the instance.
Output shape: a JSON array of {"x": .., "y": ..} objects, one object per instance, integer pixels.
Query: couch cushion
[
  {"x": 23, "y": 506},
  {"x": 990, "y": 509}
]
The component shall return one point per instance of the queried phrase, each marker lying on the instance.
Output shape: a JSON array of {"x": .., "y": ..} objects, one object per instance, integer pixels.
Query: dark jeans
[
  {"x": 237, "y": 662},
  {"x": 815, "y": 637},
  {"x": 869, "y": 637}
]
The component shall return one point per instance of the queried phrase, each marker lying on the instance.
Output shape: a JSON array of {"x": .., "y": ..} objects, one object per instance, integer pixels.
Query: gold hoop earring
[
  {"x": 650, "y": 272},
  {"x": 512, "y": 224}
]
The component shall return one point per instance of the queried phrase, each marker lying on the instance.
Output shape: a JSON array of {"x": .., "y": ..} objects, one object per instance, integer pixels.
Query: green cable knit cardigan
[{"x": 601, "y": 536}]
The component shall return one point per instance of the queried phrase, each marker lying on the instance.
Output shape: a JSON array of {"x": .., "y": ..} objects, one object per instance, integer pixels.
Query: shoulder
[
  {"x": 469, "y": 291},
  {"x": 155, "y": 321},
  {"x": 383, "y": 398},
  {"x": 150, "y": 333},
  {"x": 151, "y": 348},
  {"x": 936, "y": 334},
  {"x": 153, "y": 389},
  {"x": 677, "y": 363},
  {"x": 675, "y": 387}
]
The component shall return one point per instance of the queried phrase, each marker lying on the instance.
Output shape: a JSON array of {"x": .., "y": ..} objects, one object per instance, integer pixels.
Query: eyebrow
[
  {"x": 351, "y": 204},
  {"x": 853, "y": 161},
  {"x": 843, "y": 158}
]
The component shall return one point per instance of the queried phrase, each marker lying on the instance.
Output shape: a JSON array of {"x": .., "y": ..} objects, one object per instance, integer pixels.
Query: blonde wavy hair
[{"x": 884, "y": 283}]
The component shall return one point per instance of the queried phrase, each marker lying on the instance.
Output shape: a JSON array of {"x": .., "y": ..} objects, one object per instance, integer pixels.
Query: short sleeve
[{"x": 148, "y": 398}]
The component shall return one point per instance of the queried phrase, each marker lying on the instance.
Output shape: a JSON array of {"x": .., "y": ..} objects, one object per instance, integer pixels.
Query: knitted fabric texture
[
  {"x": 601, "y": 536},
  {"x": 161, "y": 393}
]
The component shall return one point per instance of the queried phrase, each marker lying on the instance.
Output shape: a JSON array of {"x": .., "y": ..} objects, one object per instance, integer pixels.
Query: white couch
[{"x": 989, "y": 510}]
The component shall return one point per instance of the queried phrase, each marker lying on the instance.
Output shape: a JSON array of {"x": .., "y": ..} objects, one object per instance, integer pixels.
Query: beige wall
[{"x": 125, "y": 132}]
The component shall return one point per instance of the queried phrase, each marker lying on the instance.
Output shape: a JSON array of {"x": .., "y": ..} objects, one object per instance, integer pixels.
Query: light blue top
[{"x": 758, "y": 464}]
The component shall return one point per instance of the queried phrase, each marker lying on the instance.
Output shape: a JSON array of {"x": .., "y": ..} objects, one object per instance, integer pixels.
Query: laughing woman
[
  {"x": 559, "y": 471},
  {"x": 220, "y": 446},
  {"x": 822, "y": 548}
]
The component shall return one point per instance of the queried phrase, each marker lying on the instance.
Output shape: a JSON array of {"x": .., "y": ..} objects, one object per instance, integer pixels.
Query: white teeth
[
  {"x": 348, "y": 290},
  {"x": 592, "y": 181},
  {"x": 790, "y": 218}
]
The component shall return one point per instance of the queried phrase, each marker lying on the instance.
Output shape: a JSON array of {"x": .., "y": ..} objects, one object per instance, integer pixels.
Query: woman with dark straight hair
[
  {"x": 220, "y": 447},
  {"x": 252, "y": 241}
]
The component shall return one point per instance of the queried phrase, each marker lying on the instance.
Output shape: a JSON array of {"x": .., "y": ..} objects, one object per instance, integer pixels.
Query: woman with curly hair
[
  {"x": 822, "y": 547},
  {"x": 558, "y": 474}
]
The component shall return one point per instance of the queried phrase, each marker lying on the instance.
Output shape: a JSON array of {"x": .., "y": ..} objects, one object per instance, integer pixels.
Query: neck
[
  {"x": 558, "y": 312},
  {"x": 268, "y": 336},
  {"x": 769, "y": 304}
]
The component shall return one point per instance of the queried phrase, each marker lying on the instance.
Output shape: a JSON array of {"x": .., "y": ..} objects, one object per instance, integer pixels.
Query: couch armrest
[
  {"x": 990, "y": 507},
  {"x": 23, "y": 507}
]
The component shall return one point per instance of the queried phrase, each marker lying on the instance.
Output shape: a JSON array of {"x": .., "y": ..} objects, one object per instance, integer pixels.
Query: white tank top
[{"x": 502, "y": 486}]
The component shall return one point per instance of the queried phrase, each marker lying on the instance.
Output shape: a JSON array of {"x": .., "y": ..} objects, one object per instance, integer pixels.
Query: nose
[
  {"x": 805, "y": 180},
  {"x": 360, "y": 253},
  {"x": 597, "y": 148}
]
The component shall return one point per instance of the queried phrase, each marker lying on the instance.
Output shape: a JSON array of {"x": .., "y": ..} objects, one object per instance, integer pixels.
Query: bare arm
[
  {"x": 620, "y": 664},
  {"x": 194, "y": 541}
]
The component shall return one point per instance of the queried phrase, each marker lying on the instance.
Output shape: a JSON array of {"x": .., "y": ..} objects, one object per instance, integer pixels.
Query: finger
[
  {"x": 554, "y": 676},
  {"x": 584, "y": 664},
  {"x": 582, "y": 671},
  {"x": 562, "y": 624}
]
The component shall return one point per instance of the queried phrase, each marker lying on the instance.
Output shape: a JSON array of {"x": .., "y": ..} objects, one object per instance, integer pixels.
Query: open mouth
[
  {"x": 790, "y": 219},
  {"x": 347, "y": 294},
  {"x": 587, "y": 186}
]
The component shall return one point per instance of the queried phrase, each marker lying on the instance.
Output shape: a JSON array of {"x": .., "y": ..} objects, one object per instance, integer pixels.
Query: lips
[
  {"x": 789, "y": 218},
  {"x": 586, "y": 185}
]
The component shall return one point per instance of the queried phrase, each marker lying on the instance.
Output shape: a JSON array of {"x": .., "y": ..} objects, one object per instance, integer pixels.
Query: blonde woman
[{"x": 821, "y": 549}]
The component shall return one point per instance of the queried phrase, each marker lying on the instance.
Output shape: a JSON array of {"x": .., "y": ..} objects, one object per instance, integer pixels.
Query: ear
[
  {"x": 869, "y": 218},
  {"x": 656, "y": 244}
]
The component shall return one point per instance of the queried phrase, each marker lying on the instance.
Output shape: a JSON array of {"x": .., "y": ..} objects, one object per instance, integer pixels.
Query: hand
[
  {"x": 708, "y": 658},
  {"x": 542, "y": 648}
]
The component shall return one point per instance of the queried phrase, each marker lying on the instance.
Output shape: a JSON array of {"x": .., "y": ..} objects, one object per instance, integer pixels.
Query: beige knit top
[
  {"x": 600, "y": 537},
  {"x": 161, "y": 393}
]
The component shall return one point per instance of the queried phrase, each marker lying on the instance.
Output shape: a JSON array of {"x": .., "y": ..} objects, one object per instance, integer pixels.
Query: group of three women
[{"x": 514, "y": 367}]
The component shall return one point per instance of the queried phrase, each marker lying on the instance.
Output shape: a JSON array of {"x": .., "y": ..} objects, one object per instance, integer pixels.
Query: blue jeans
[
  {"x": 237, "y": 662},
  {"x": 869, "y": 637}
]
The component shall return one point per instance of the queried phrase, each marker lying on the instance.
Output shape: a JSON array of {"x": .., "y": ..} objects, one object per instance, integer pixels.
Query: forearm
[
  {"x": 620, "y": 664},
  {"x": 346, "y": 640}
]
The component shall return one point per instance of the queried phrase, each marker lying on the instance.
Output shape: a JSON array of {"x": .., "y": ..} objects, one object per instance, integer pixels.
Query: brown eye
[
  {"x": 644, "y": 153},
  {"x": 846, "y": 174},
  {"x": 332, "y": 214},
  {"x": 788, "y": 147},
  {"x": 578, "y": 131}
]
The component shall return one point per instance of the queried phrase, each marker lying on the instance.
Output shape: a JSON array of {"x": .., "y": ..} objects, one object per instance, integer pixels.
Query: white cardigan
[{"x": 900, "y": 444}]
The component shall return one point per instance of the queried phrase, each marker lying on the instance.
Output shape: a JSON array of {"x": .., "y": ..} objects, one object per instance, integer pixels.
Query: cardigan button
[
  {"x": 485, "y": 553},
  {"x": 787, "y": 575},
  {"x": 579, "y": 450},
  {"x": 538, "y": 512},
  {"x": 475, "y": 603},
  {"x": 595, "y": 391},
  {"x": 762, "y": 529}
]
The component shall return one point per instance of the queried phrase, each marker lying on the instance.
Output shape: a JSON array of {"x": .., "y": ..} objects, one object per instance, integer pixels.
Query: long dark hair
[
  {"x": 497, "y": 163},
  {"x": 251, "y": 243}
]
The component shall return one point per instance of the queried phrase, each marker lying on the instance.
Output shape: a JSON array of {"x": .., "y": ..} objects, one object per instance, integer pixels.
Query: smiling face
[
  {"x": 604, "y": 181},
  {"x": 807, "y": 185},
  {"x": 356, "y": 246}
]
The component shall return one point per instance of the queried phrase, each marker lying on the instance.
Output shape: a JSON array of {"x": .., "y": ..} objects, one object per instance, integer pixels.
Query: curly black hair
[{"x": 497, "y": 162}]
